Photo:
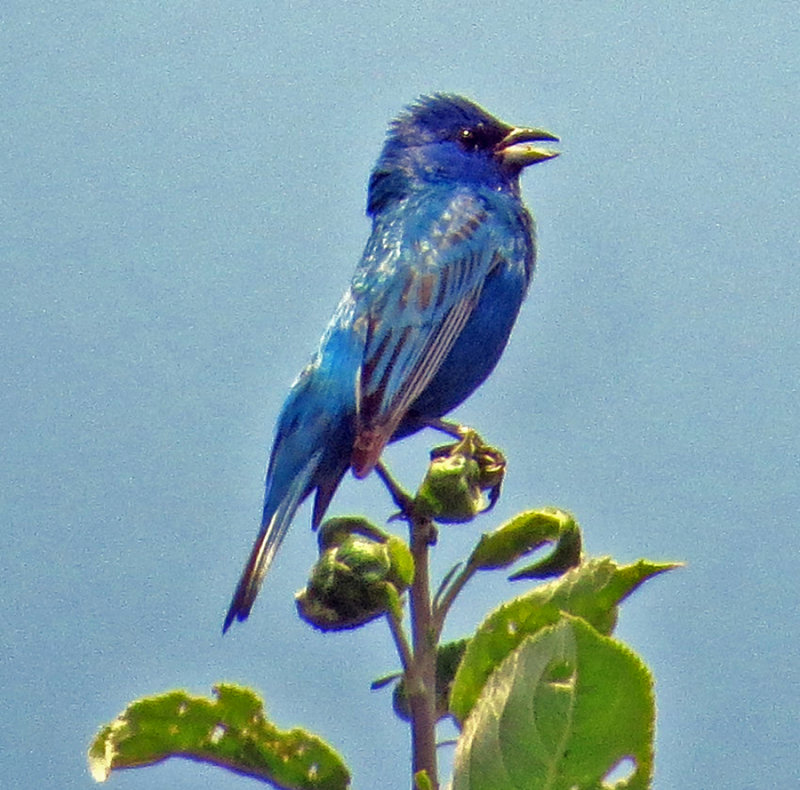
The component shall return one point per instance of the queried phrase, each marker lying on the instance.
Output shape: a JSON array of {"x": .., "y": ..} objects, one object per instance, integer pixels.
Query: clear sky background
[{"x": 182, "y": 195}]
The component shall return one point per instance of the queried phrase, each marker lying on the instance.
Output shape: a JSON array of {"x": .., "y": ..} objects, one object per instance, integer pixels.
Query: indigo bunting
[{"x": 427, "y": 314}]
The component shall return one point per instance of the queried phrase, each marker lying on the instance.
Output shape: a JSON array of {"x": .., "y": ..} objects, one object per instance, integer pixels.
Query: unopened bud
[{"x": 360, "y": 573}]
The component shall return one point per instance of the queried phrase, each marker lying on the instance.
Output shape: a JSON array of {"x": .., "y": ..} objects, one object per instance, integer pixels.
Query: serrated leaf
[
  {"x": 592, "y": 591},
  {"x": 560, "y": 712},
  {"x": 230, "y": 731}
]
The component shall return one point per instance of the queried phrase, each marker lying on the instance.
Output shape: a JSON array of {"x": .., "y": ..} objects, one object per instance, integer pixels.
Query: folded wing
[{"x": 423, "y": 284}]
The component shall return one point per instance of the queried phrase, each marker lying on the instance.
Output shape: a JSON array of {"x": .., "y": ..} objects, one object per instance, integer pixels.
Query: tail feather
[
  {"x": 325, "y": 491},
  {"x": 313, "y": 442},
  {"x": 276, "y": 522}
]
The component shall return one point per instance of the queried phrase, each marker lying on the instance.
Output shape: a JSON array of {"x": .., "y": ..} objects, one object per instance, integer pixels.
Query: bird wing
[{"x": 421, "y": 285}]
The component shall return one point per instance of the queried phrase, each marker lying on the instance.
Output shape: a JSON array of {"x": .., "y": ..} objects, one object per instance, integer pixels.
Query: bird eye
[
  {"x": 475, "y": 138},
  {"x": 467, "y": 139}
]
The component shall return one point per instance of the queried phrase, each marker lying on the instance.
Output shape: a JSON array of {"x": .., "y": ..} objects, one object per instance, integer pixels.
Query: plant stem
[
  {"x": 400, "y": 641},
  {"x": 420, "y": 667},
  {"x": 421, "y": 682},
  {"x": 439, "y": 613}
]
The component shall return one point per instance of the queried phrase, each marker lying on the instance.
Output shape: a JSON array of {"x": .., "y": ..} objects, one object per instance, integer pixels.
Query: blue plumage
[{"x": 427, "y": 315}]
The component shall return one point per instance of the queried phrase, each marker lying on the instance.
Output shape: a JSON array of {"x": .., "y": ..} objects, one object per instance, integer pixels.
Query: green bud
[
  {"x": 401, "y": 563},
  {"x": 335, "y": 530},
  {"x": 358, "y": 577},
  {"x": 458, "y": 476},
  {"x": 492, "y": 464},
  {"x": 422, "y": 781},
  {"x": 450, "y": 490}
]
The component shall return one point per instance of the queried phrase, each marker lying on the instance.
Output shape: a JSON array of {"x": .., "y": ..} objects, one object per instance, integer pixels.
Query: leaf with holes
[
  {"x": 230, "y": 731},
  {"x": 562, "y": 712},
  {"x": 592, "y": 591}
]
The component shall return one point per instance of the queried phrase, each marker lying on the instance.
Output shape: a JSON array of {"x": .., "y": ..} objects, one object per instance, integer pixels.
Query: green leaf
[
  {"x": 523, "y": 534},
  {"x": 230, "y": 731},
  {"x": 561, "y": 712},
  {"x": 566, "y": 554},
  {"x": 592, "y": 591}
]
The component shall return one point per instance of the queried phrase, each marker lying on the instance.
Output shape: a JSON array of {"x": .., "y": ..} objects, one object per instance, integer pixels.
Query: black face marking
[{"x": 480, "y": 137}]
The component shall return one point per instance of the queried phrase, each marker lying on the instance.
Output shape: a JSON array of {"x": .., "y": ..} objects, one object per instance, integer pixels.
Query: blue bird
[{"x": 427, "y": 314}]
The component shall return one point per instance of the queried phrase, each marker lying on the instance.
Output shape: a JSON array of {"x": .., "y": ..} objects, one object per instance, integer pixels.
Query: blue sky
[{"x": 182, "y": 197}]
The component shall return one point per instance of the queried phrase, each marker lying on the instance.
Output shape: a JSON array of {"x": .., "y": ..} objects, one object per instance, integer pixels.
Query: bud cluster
[{"x": 360, "y": 574}]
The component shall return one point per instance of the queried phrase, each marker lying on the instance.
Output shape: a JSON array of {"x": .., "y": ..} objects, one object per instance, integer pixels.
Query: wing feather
[{"x": 424, "y": 300}]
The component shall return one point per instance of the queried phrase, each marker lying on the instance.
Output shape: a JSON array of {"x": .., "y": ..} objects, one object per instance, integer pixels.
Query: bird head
[{"x": 446, "y": 138}]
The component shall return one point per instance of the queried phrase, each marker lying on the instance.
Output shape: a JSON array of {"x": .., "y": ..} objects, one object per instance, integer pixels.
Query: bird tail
[
  {"x": 274, "y": 526},
  {"x": 313, "y": 442}
]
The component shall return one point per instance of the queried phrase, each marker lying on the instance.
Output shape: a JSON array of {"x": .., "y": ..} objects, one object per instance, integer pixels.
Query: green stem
[
  {"x": 440, "y": 612},
  {"x": 420, "y": 666},
  {"x": 421, "y": 680},
  {"x": 400, "y": 640}
]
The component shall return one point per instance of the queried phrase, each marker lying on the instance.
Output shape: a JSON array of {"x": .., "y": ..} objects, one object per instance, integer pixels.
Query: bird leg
[
  {"x": 453, "y": 429},
  {"x": 422, "y": 528}
]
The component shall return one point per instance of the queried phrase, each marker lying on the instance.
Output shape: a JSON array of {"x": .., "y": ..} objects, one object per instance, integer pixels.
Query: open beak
[{"x": 518, "y": 147}]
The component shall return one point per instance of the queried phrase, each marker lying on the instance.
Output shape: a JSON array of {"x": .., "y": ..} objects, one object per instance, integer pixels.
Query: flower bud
[
  {"x": 459, "y": 474},
  {"x": 359, "y": 575}
]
